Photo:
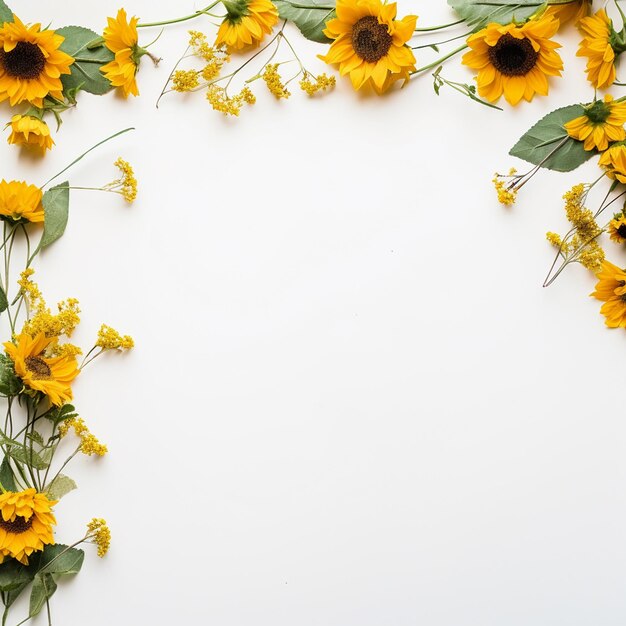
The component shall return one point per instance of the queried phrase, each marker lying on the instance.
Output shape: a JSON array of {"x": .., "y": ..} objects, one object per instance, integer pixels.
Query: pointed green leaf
[
  {"x": 56, "y": 206},
  {"x": 6, "y": 15},
  {"x": 4, "y": 303},
  {"x": 60, "y": 486},
  {"x": 10, "y": 384},
  {"x": 60, "y": 559},
  {"x": 28, "y": 457},
  {"x": 13, "y": 575},
  {"x": 89, "y": 53},
  {"x": 7, "y": 480},
  {"x": 310, "y": 16},
  {"x": 44, "y": 587},
  {"x": 547, "y": 142}
]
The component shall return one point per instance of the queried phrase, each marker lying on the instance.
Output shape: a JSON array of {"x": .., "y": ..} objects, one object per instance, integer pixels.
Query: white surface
[{"x": 351, "y": 402}]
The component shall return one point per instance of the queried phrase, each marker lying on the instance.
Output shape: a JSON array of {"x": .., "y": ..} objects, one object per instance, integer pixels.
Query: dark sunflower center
[
  {"x": 621, "y": 231},
  {"x": 18, "y": 525},
  {"x": 26, "y": 60},
  {"x": 370, "y": 40},
  {"x": 38, "y": 367},
  {"x": 513, "y": 57}
]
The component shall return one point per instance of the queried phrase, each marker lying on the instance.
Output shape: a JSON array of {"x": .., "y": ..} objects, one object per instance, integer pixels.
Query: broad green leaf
[
  {"x": 6, "y": 15},
  {"x": 10, "y": 384},
  {"x": 59, "y": 559},
  {"x": 310, "y": 16},
  {"x": 478, "y": 13},
  {"x": 61, "y": 413},
  {"x": 28, "y": 456},
  {"x": 6, "y": 477},
  {"x": 60, "y": 486},
  {"x": 547, "y": 143},
  {"x": 56, "y": 206},
  {"x": 44, "y": 587},
  {"x": 13, "y": 575},
  {"x": 36, "y": 437},
  {"x": 82, "y": 44}
]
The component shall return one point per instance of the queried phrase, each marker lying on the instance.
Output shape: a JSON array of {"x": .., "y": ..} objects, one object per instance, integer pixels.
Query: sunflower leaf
[
  {"x": 6, "y": 15},
  {"x": 4, "y": 303},
  {"x": 60, "y": 487},
  {"x": 478, "y": 13},
  {"x": 61, "y": 559},
  {"x": 89, "y": 56},
  {"x": 10, "y": 384},
  {"x": 28, "y": 457},
  {"x": 7, "y": 480},
  {"x": 548, "y": 145},
  {"x": 43, "y": 589},
  {"x": 14, "y": 575},
  {"x": 56, "y": 206},
  {"x": 310, "y": 16}
]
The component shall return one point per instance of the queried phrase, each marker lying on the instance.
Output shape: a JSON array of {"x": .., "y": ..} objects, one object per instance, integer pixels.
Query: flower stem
[{"x": 180, "y": 19}]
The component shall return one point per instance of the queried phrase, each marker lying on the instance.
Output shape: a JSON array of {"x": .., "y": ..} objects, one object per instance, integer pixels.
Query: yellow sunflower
[
  {"x": 20, "y": 201},
  {"x": 617, "y": 228},
  {"x": 514, "y": 60},
  {"x": 370, "y": 44},
  {"x": 246, "y": 23},
  {"x": 121, "y": 38},
  {"x": 50, "y": 375},
  {"x": 602, "y": 123},
  {"x": 611, "y": 289},
  {"x": 26, "y": 521},
  {"x": 601, "y": 45},
  {"x": 31, "y": 63},
  {"x": 614, "y": 161},
  {"x": 575, "y": 10},
  {"x": 28, "y": 130}
]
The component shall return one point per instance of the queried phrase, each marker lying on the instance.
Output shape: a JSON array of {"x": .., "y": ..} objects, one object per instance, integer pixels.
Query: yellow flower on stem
[
  {"x": 52, "y": 376},
  {"x": 98, "y": 532},
  {"x": 514, "y": 61},
  {"x": 121, "y": 38},
  {"x": 611, "y": 289},
  {"x": 617, "y": 228},
  {"x": 569, "y": 11},
  {"x": 370, "y": 44},
  {"x": 601, "y": 45},
  {"x": 31, "y": 63},
  {"x": 614, "y": 162},
  {"x": 602, "y": 123},
  {"x": 31, "y": 131},
  {"x": 246, "y": 23},
  {"x": 20, "y": 202},
  {"x": 26, "y": 521}
]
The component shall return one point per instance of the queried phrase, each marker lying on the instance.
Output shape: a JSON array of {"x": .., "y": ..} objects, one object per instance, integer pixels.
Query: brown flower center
[
  {"x": 621, "y": 231},
  {"x": 513, "y": 57},
  {"x": 370, "y": 40},
  {"x": 38, "y": 368},
  {"x": 25, "y": 61},
  {"x": 18, "y": 525}
]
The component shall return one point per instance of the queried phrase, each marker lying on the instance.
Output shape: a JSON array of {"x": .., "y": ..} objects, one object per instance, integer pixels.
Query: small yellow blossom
[
  {"x": 66, "y": 349},
  {"x": 185, "y": 80},
  {"x": 506, "y": 190},
  {"x": 110, "y": 339},
  {"x": 554, "y": 239},
  {"x": 225, "y": 104},
  {"x": 99, "y": 533},
  {"x": 89, "y": 443},
  {"x": 273, "y": 81},
  {"x": 127, "y": 184},
  {"x": 322, "y": 83},
  {"x": 31, "y": 131}
]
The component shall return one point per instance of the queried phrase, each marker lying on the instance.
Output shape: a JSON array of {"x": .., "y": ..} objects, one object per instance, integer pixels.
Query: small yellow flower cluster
[
  {"x": 220, "y": 101},
  {"x": 321, "y": 83},
  {"x": 127, "y": 185},
  {"x": 110, "y": 339},
  {"x": 200, "y": 46},
  {"x": 185, "y": 80},
  {"x": 507, "y": 193},
  {"x": 42, "y": 320},
  {"x": 89, "y": 443},
  {"x": 100, "y": 534},
  {"x": 65, "y": 349},
  {"x": 273, "y": 81}
]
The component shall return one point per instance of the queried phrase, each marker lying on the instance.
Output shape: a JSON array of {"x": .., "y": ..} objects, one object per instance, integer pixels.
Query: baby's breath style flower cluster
[{"x": 38, "y": 368}]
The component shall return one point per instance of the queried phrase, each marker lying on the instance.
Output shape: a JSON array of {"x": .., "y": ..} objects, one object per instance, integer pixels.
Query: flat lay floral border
[{"x": 233, "y": 48}]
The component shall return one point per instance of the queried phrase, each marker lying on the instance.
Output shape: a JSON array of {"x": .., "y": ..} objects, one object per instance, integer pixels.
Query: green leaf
[
  {"x": 10, "y": 384},
  {"x": 6, "y": 15},
  {"x": 14, "y": 575},
  {"x": 310, "y": 16},
  {"x": 61, "y": 414},
  {"x": 4, "y": 303},
  {"x": 61, "y": 560},
  {"x": 28, "y": 457},
  {"x": 548, "y": 136},
  {"x": 56, "y": 206},
  {"x": 44, "y": 587},
  {"x": 82, "y": 44},
  {"x": 6, "y": 477},
  {"x": 478, "y": 13},
  {"x": 60, "y": 486}
]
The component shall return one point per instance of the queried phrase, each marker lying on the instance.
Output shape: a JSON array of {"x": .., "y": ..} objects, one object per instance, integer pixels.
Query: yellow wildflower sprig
[
  {"x": 89, "y": 444},
  {"x": 108, "y": 339},
  {"x": 98, "y": 533}
]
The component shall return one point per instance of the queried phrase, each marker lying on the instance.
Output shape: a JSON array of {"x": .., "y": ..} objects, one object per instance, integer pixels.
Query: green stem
[
  {"x": 180, "y": 19},
  {"x": 441, "y": 27},
  {"x": 440, "y": 61}
]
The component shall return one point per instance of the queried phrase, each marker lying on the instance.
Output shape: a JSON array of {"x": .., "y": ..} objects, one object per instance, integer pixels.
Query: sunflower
[
  {"x": 601, "y": 45},
  {"x": 246, "y": 23},
  {"x": 617, "y": 228},
  {"x": 20, "y": 201},
  {"x": 514, "y": 60},
  {"x": 31, "y": 63},
  {"x": 26, "y": 521},
  {"x": 602, "y": 122},
  {"x": 50, "y": 375},
  {"x": 28, "y": 130},
  {"x": 575, "y": 10},
  {"x": 614, "y": 161},
  {"x": 611, "y": 289},
  {"x": 370, "y": 44},
  {"x": 121, "y": 38}
]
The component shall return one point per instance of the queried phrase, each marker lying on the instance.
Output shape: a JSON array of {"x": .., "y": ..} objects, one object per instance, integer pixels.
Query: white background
[{"x": 351, "y": 401}]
